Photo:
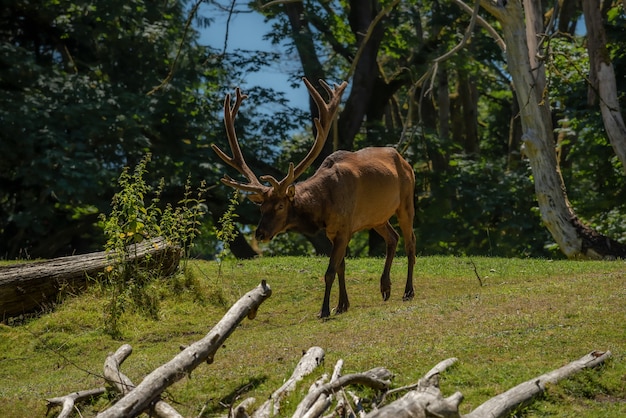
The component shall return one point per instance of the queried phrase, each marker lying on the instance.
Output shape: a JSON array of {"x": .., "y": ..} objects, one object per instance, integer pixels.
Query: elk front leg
[
  {"x": 335, "y": 265},
  {"x": 343, "y": 304},
  {"x": 391, "y": 240}
]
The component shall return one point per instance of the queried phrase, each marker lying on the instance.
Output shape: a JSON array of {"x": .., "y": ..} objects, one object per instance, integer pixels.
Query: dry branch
[
  {"x": 68, "y": 401},
  {"x": 501, "y": 405},
  {"x": 27, "y": 287},
  {"x": 424, "y": 400},
  {"x": 313, "y": 358},
  {"x": 124, "y": 385},
  {"x": 377, "y": 378},
  {"x": 142, "y": 396}
]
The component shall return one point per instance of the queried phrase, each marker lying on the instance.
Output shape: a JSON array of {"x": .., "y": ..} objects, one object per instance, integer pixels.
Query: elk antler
[
  {"x": 237, "y": 161},
  {"x": 323, "y": 122}
]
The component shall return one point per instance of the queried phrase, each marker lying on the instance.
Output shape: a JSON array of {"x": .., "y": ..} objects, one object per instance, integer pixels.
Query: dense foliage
[
  {"x": 83, "y": 97},
  {"x": 88, "y": 88}
]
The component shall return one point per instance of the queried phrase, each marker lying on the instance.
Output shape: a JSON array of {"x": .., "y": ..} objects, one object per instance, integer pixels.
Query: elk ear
[
  {"x": 256, "y": 198},
  {"x": 291, "y": 192}
]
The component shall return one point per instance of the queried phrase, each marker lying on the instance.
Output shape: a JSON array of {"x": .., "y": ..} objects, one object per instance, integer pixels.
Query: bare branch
[
  {"x": 501, "y": 405},
  {"x": 140, "y": 398},
  {"x": 124, "y": 385},
  {"x": 170, "y": 74},
  {"x": 368, "y": 34},
  {"x": 313, "y": 358},
  {"x": 482, "y": 22},
  {"x": 377, "y": 378},
  {"x": 68, "y": 401}
]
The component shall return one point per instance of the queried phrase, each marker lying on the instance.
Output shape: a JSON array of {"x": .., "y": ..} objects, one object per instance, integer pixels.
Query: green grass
[{"x": 529, "y": 317}]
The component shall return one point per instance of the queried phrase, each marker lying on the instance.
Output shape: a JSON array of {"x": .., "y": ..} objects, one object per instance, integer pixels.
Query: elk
[{"x": 349, "y": 192}]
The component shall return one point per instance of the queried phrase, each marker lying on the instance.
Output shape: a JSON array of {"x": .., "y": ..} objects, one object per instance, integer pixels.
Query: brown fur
[{"x": 351, "y": 191}]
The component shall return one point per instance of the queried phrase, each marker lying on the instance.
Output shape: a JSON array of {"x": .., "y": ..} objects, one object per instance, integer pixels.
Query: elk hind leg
[
  {"x": 391, "y": 240},
  {"x": 405, "y": 219}
]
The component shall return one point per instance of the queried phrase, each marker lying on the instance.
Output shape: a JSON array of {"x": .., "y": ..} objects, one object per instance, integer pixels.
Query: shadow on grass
[{"x": 235, "y": 396}]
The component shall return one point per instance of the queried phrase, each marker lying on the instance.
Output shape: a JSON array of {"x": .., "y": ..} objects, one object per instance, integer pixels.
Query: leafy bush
[
  {"x": 132, "y": 221},
  {"x": 485, "y": 210}
]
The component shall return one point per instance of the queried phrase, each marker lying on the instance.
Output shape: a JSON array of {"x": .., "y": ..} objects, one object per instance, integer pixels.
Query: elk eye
[{"x": 280, "y": 206}]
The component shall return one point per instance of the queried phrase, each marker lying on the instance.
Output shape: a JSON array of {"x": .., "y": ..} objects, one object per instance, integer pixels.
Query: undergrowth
[{"x": 137, "y": 216}]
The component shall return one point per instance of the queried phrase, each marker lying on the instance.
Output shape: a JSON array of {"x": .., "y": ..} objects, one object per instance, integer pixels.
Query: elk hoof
[
  {"x": 408, "y": 296},
  {"x": 341, "y": 309},
  {"x": 323, "y": 314},
  {"x": 386, "y": 294}
]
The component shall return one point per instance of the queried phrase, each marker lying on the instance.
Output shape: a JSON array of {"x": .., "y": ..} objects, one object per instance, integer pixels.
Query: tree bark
[
  {"x": 313, "y": 358},
  {"x": 30, "y": 287},
  {"x": 425, "y": 400},
  {"x": 142, "y": 396},
  {"x": 361, "y": 15},
  {"x": 568, "y": 16},
  {"x": 503, "y": 404},
  {"x": 67, "y": 402},
  {"x": 603, "y": 83},
  {"x": 311, "y": 65},
  {"x": 568, "y": 231},
  {"x": 123, "y": 385}
]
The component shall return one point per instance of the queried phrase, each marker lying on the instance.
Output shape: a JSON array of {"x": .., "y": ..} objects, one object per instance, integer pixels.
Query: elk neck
[{"x": 308, "y": 207}]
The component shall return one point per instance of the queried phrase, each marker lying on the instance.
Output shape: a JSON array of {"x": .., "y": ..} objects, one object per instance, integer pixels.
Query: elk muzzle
[{"x": 262, "y": 235}]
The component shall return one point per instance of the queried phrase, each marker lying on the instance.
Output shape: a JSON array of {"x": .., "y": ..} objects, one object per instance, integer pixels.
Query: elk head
[{"x": 276, "y": 199}]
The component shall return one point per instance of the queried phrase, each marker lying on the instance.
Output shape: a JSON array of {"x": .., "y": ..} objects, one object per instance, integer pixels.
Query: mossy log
[{"x": 31, "y": 287}]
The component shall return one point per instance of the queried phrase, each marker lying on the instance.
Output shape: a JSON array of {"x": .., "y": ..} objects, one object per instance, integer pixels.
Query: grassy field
[{"x": 528, "y": 317}]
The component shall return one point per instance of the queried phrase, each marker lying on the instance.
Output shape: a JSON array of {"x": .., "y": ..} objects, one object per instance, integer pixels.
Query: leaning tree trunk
[
  {"x": 29, "y": 287},
  {"x": 602, "y": 76},
  {"x": 575, "y": 239}
]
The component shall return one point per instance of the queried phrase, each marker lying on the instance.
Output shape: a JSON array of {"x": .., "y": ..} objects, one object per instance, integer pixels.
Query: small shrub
[
  {"x": 227, "y": 231},
  {"x": 129, "y": 285}
]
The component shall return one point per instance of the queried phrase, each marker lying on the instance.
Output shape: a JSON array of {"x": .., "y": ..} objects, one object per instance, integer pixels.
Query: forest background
[{"x": 90, "y": 87}]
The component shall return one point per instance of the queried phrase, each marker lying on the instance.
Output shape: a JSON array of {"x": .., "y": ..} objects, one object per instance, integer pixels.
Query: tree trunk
[
  {"x": 514, "y": 159},
  {"x": 464, "y": 111},
  {"x": 568, "y": 16},
  {"x": 241, "y": 248},
  {"x": 572, "y": 236},
  {"x": 30, "y": 287},
  {"x": 361, "y": 16},
  {"x": 603, "y": 83},
  {"x": 311, "y": 65}
]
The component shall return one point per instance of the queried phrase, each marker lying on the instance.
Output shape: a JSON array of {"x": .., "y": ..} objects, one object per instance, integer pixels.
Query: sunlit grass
[{"x": 527, "y": 318}]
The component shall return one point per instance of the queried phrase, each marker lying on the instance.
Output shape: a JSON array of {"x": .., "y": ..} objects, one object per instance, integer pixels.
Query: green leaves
[
  {"x": 74, "y": 110},
  {"x": 131, "y": 221}
]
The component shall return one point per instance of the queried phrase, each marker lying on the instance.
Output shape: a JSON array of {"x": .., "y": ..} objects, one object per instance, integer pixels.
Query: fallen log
[
  {"x": 501, "y": 405},
  {"x": 148, "y": 391},
  {"x": 30, "y": 287}
]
